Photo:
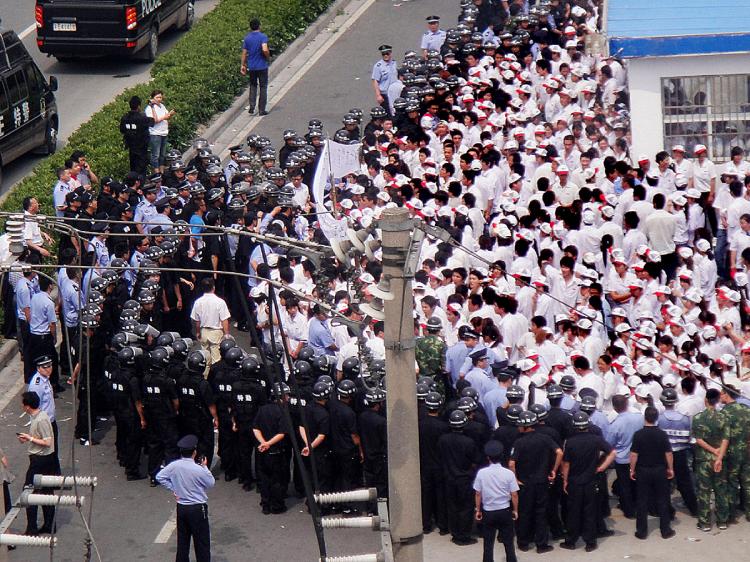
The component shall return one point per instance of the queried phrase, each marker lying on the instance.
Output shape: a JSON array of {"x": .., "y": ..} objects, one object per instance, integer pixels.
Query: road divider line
[
  {"x": 167, "y": 529},
  {"x": 26, "y": 31}
]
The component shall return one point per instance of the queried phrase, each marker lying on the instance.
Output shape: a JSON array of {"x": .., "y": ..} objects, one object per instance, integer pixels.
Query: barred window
[{"x": 709, "y": 110}]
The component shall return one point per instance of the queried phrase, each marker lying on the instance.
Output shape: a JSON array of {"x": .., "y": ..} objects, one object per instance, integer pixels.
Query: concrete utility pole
[{"x": 404, "y": 494}]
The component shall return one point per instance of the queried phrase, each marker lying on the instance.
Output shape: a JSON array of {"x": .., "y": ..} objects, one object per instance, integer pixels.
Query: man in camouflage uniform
[
  {"x": 430, "y": 354},
  {"x": 738, "y": 467},
  {"x": 711, "y": 434}
]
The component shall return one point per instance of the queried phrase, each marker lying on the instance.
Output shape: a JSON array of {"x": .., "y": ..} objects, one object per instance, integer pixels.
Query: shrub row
[{"x": 199, "y": 76}]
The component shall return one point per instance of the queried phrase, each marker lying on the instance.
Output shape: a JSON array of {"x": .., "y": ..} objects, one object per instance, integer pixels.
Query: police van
[
  {"x": 28, "y": 111},
  {"x": 71, "y": 29}
]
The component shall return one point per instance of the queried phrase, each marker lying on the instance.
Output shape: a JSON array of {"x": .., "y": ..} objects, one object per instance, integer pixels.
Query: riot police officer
[
  {"x": 460, "y": 457},
  {"x": 197, "y": 405},
  {"x": 160, "y": 404},
  {"x": 346, "y": 447},
  {"x": 431, "y": 428},
  {"x": 221, "y": 377},
  {"x": 271, "y": 430},
  {"x": 677, "y": 428},
  {"x": 125, "y": 390},
  {"x": 248, "y": 395},
  {"x": 316, "y": 435},
  {"x": 374, "y": 434}
]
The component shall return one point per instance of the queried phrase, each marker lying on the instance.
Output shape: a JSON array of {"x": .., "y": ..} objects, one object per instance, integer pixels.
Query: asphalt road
[{"x": 84, "y": 86}]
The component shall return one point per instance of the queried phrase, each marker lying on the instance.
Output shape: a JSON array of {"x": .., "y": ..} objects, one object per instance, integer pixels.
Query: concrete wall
[{"x": 644, "y": 79}]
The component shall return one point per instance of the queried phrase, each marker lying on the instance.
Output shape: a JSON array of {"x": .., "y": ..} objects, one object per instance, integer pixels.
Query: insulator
[{"x": 361, "y": 495}]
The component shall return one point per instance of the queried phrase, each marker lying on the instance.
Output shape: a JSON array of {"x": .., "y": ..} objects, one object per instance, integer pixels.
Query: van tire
[
  {"x": 152, "y": 46},
  {"x": 190, "y": 16}
]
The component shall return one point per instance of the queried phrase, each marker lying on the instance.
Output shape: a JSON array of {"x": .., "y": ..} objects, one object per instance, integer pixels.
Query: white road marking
[
  {"x": 26, "y": 31},
  {"x": 167, "y": 529}
]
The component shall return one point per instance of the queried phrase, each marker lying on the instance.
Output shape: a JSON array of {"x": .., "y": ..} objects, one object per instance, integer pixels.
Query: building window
[{"x": 709, "y": 110}]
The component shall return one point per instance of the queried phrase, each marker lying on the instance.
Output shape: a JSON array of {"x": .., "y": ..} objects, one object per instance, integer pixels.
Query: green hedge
[{"x": 199, "y": 76}]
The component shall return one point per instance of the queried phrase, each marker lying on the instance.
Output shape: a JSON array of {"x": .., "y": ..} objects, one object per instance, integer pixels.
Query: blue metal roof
[{"x": 638, "y": 28}]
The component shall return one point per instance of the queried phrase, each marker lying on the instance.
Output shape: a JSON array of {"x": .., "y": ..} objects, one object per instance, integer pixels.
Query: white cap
[{"x": 703, "y": 245}]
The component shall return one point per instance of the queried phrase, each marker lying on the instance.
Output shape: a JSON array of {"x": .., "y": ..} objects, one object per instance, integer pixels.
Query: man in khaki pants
[{"x": 211, "y": 317}]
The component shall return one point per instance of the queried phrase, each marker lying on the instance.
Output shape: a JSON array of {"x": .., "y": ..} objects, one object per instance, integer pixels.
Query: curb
[
  {"x": 225, "y": 119},
  {"x": 7, "y": 350}
]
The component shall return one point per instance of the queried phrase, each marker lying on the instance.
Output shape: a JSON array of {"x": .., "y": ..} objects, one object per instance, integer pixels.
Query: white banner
[{"x": 336, "y": 160}]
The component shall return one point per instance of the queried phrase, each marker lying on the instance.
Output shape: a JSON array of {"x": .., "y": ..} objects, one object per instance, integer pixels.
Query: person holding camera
[{"x": 189, "y": 478}]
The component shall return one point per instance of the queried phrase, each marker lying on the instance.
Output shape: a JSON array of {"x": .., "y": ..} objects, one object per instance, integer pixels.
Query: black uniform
[
  {"x": 222, "y": 378},
  {"x": 134, "y": 128},
  {"x": 196, "y": 401},
  {"x": 460, "y": 456},
  {"x": 431, "y": 428},
  {"x": 534, "y": 455},
  {"x": 124, "y": 386},
  {"x": 344, "y": 450},
  {"x": 507, "y": 435},
  {"x": 583, "y": 451},
  {"x": 319, "y": 423},
  {"x": 651, "y": 444},
  {"x": 248, "y": 395},
  {"x": 374, "y": 434},
  {"x": 296, "y": 405},
  {"x": 272, "y": 465},
  {"x": 158, "y": 395}
]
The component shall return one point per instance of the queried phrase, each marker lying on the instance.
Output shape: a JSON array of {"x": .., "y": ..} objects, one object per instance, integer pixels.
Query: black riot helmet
[
  {"x": 307, "y": 353},
  {"x": 167, "y": 338},
  {"x": 458, "y": 419},
  {"x": 128, "y": 355},
  {"x": 303, "y": 371},
  {"x": 158, "y": 358},
  {"x": 346, "y": 388},
  {"x": 279, "y": 389},
  {"x": 233, "y": 357},
  {"x": 181, "y": 348},
  {"x": 540, "y": 411},
  {"x": 197, "y": 361},
  {"x": 422, "y": 391},
  {"x": 433, "y": 401},
  {"x": 251, "y": 367},
  {"x": 321, "y": 391},
  {"x": 225, "y": 345},
  {"x": 350, "y": 367}
]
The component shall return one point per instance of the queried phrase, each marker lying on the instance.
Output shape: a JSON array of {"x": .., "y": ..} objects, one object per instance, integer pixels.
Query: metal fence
[{"x": 709, "y": 110}]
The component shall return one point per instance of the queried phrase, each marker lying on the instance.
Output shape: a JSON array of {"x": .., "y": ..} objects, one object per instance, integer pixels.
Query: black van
[
  {"x": 28, "y": 111},
  {"x": 70, "y": 29}
]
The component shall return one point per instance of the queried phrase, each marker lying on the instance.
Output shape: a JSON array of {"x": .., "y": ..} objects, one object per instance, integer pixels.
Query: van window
[
  {"x": 35, "y": 80},
  {"x": 17, "y": 89}
]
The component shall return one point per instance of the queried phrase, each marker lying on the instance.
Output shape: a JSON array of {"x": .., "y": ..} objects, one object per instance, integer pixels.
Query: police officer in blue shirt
[
  {"x": 384, "y": 73},
  {"x": 145, "y": 211},
  {"x": 189, "y": 479},
  {"x": 98, "y": 244},
  {"x": 24, "y": 291},
  {"x": 677, "y": 427},
  {"x": 71, "y": 301},
  {"x": 434, "y": 37},
  {"x": 43, "y": 328},
  {"x": 233, "y": 166},
  {"x": 40, "y": 385}
]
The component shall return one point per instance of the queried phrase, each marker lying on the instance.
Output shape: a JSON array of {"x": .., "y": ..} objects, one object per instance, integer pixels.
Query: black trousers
[
  {"x": 129, "y": 441},
  {"x": 532, "y": 514},
  {"x": 258, "y": 88},
  {"x": 625, "y": 489},
  {"x": 192, "y": 422},
  {"x": 433, "y": 499},
  {"x": 669, "y": 264},
  {"x": 192, "y": 523},
  {"x": 459, "y": 497},
  {"x": 69, "y": 351},
  {"x": 347, "y": 474},
  {"x": 375, "y": 473},
  {"x": 271, "y": 468},
  {"x": 494, "y": 522},
  {"x": 652, "y": 486},
  {"x": 246, "y": 445},
  {"x": 138, "y": 159},
  {"x": 161, "y": 441},
  {"x": 227, "y": 450},
  {"x": 582, "y": 512},
  {"x": 40, "y": 464},
  {"x": 557, "y": 505},
  {"x": 684, "y": 479}
]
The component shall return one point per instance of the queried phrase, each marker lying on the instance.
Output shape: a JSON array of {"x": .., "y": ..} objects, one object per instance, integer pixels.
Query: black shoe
[
  {"x": 247, "y": 486},
  {"x": 567, "y": 545},
  {"x": 45, "y": 530},
  {"x": 278, "y": 510},
  {"x": 251, "y": 111},
  {"x": 463, "y": 542},
  {"x": 524, "y": 547},
  {"x": 31, "y": 532},
  {"x": 264, "y": 112},
  {"x": 643, "y": 537},
  {"x": 669, "y": 534},
  {"x": 428, "y": 530},
  {"x": 228, "y": 476},
  {"x": 266, "y": 510},
  {"x": 605, "y": 533},
  {"x": 153, "y": 483},
  {"x": 11, "y": 547},
  {"x": 443, "y": 532},
  {"x": 591, "y": 547},
  {"x": 132, "y": 477},
  {"x": 544, "y": 549}
]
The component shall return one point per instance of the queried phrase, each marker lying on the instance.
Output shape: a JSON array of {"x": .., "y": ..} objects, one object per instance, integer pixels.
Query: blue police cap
[{"x": 188, "y": 442}]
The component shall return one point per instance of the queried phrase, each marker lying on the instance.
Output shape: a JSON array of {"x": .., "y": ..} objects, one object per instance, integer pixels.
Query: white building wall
[{"x": 644, "y": 80}]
